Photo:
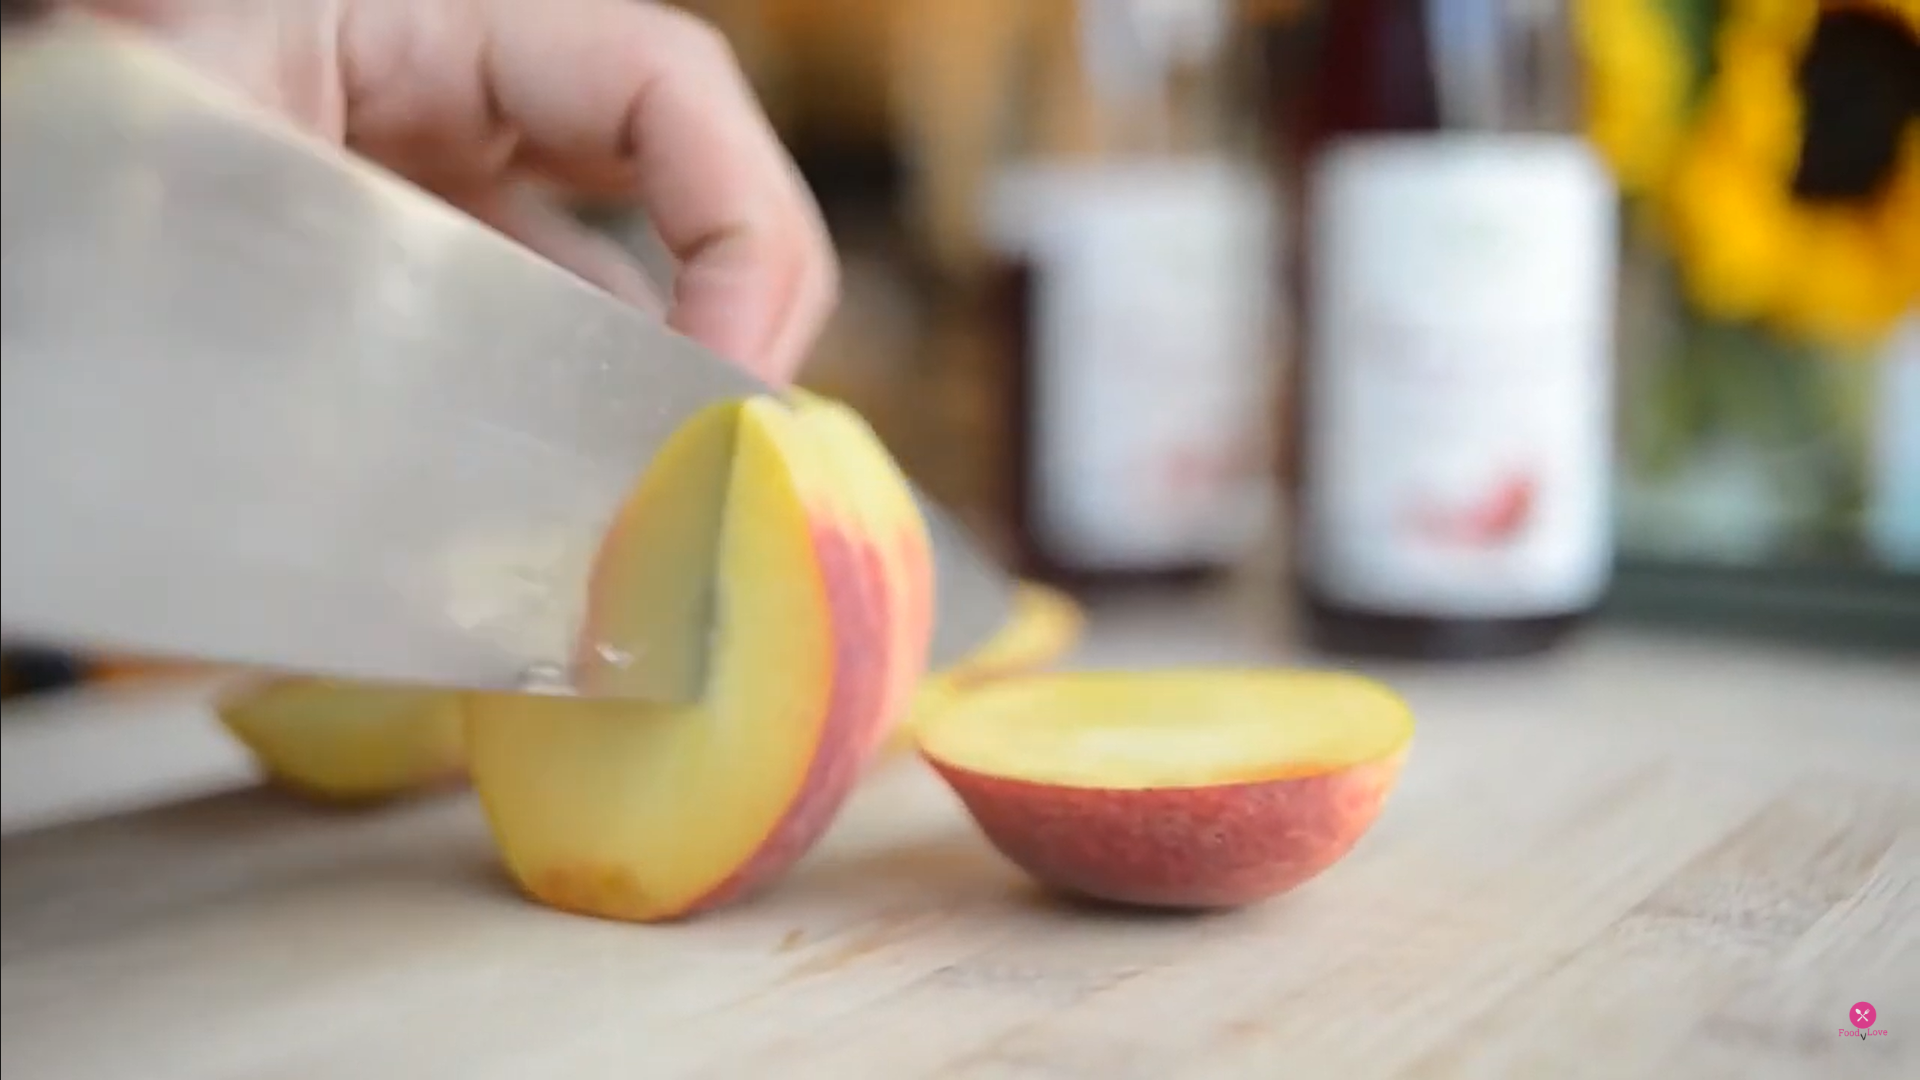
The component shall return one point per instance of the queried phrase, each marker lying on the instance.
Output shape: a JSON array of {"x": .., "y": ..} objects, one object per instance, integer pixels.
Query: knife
[{"x": 268, "y": 405}]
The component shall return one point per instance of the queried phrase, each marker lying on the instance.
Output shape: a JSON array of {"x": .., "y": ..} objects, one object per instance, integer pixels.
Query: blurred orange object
[{"x": 116, "y": 669}]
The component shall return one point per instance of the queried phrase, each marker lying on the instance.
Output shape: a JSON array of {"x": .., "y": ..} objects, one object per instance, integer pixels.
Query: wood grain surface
[{"x": 1641, "y": 858}]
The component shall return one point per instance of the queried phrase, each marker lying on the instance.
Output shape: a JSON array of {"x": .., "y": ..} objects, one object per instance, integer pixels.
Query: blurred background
[{"x": 1198, "y": 295}]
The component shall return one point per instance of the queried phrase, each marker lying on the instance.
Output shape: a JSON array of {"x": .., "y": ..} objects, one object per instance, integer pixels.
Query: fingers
[
  {"x": 647, "y": 98},
  {"x": 611, "y": 97},
  {"x": 616, "y": 96},
  {"x": 282, "y": 55}
]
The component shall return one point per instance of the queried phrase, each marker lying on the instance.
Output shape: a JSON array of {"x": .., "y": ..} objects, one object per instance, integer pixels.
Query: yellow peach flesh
[
  {"x": 643, "y": 812},
  {"x": 347, "y": 742},
  {"x": 1122, "y": 731}
]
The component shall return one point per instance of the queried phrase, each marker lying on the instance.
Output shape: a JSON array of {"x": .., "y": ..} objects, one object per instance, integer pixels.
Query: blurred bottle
[
  {"x": 1134, "y": 235},
  {"x": 1452, "y": 417}
]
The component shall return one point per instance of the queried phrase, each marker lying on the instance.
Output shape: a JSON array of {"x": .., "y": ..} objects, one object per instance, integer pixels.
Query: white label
[
  {"x": 1152, "y": 391},
  {"x": 1461, "y": 376}
]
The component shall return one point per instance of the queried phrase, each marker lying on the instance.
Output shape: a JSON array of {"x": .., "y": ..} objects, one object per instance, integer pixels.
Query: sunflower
[
  {"x": 1791, "y": 196},
  {"x": 1637, "y": 86}
]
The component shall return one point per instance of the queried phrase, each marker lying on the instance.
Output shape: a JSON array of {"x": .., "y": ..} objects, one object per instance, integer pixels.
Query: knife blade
[{"x": 267, "y": 404}]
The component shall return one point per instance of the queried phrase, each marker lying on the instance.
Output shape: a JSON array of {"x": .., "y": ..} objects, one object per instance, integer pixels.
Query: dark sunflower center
[{"x": 1859, "y": 85}]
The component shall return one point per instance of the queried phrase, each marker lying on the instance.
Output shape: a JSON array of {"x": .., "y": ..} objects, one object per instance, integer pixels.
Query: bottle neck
[
  {"x": 1154, "y": 75},
  {"x": 1502, "y": 65}
]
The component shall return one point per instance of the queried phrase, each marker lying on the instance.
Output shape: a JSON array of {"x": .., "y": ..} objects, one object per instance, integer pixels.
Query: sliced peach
[
  {"x": 1044, "y": 625},
  {"x": 900, "y": 558},
  {"x": 749, "y": 561},
  {"x": 343, "y": 742},
  {"x": 1172, "y": 788}
]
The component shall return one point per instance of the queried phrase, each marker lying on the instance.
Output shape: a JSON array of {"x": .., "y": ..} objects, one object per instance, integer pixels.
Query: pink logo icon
[{"x": 1862, "y": 1014}]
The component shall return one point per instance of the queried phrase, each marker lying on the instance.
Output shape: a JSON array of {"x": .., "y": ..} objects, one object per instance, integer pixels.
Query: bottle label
[
  {"x": 1152, "y": 388},
  {"x": 1460, "y": 390}
]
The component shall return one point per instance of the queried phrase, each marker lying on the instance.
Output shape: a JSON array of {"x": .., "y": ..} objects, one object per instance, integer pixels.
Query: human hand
[{"x": 475, "y": 99}]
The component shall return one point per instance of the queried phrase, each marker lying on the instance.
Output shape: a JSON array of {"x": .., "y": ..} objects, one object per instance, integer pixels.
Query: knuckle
[{"x": 695, "y": 39}]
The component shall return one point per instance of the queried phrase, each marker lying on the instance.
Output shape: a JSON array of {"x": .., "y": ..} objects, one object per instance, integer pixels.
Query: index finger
[{"x": 638, "y": 98}]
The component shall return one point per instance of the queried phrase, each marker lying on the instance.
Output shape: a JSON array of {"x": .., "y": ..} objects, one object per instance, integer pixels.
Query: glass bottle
[
  {"x": 1136, "y": 293},
  {"x": 1451, "y": 419}
]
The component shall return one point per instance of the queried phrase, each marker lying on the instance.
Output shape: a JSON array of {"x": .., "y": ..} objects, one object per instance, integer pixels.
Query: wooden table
[{"x": 1642, "y": 857}]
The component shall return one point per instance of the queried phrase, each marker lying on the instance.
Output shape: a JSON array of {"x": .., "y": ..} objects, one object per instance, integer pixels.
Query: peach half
[
  {"x": 1044, "y": 625},
  {"x": 772, "y": 559},
  {"x": 1182, "y": 789},
  {"x": 345, "y": 742}
]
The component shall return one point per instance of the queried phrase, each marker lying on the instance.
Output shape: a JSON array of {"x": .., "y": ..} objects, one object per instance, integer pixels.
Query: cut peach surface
[
  {"x": 1202, "y": 788},
  {"x": 775, "y": 559},
  {"x": 347, "y": 742}
]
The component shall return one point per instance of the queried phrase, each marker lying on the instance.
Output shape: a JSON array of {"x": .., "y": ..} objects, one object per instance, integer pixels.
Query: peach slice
[
  {"x": 1190, "y": 789},
  {"x": 344, "y": 742},
  {"x": 775, "y": 562},
  {"x": 1044, "y": 626},
  {"x": 901, "y": 559}
]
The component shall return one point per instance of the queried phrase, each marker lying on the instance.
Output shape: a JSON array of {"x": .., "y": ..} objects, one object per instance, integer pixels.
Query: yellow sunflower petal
[
  {"x": 1732, "y": 228},
  {"x": 1754, "y": 103},
  {"x": 1844, "y": 290},
  {"x": 1898, "y": 215},
  {"x": 1637, "y": 147},
  {"x": 1636, "y": 86},
  {"x": 1788, "y": 21}
]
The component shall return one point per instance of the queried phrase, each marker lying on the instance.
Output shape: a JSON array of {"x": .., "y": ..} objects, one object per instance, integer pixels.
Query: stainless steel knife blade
[{"x": 267, "y": 404}]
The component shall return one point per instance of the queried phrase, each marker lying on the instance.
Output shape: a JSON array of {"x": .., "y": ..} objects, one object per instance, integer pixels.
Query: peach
[
  {"x": 1185, "y": 789},
  {"x": 1044, "y": 625},
  {"x": 901, "y": 560},
  {"x": 345, "y": 742},
  {"x": 774, "y": 563}
]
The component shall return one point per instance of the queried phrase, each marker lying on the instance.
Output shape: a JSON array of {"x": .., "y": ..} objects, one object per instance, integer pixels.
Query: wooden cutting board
[{"x": 1641, "y": 858}]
